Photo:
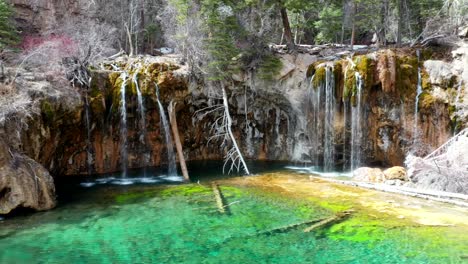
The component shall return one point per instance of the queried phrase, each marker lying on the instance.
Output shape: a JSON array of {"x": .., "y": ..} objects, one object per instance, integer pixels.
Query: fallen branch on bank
[{"x": 438, "y": 196}]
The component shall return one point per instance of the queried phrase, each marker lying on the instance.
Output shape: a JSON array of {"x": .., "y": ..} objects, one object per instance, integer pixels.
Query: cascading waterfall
[
  {"x": 316, "y": 128},
  {"x": 322, "y": 141},
  {"x": 172, "y": 167},
  {"x": 345, "y": 129},
  {"x": 123, "y": 124},
  {"x": 89, "y": 155},
  {"x": 330, "y": 107},
  {"x": 416, "y": 104},
  {"x": 356, "y": 128},
  {"x": 345, "y": 120},
  {"x": 141, "y": 110}
]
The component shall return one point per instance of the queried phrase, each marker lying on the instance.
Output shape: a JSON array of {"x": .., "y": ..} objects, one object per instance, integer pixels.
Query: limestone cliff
[{"x": 273, "y": 119}]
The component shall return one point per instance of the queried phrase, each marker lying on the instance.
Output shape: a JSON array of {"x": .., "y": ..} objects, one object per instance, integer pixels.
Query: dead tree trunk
[
  {"x": 175, "y": 131},
  {"x": 353, "y": 27},
  {"x": 235, "y": 153},
  {"x": 287, "y": 29},
  {"x": 400, "y": 22}
]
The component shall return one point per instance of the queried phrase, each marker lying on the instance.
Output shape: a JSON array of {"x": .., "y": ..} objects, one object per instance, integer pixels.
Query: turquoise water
[{"x": 181, "y": 224}]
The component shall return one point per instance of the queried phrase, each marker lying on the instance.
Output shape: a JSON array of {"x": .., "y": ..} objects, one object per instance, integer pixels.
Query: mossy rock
[
  {"x": 312, "y": 68},
  {"x": 319, "y": 76},
  {"x": 425, "y": 81},
  {"x": 366, "y": 68},
  {"x": 47, "y": 111},
  {"x": 426, "y": 100},
  {"x": 407, "y": 75}
]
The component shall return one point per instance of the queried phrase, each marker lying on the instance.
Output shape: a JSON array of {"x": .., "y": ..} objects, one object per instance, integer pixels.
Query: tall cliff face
[{"x": 40, "y": 16}]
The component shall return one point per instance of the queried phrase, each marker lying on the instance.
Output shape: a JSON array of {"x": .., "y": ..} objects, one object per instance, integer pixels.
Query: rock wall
[
  {"x": 271, "y": 118},
  {"x": 23, "y": 182}
]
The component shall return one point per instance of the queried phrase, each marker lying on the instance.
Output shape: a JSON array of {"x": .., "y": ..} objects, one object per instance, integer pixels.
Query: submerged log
[
  {"x": 334, "y": 219},
  {"x": 218, "y": 197},
  {"x": 317, "y": 223}
]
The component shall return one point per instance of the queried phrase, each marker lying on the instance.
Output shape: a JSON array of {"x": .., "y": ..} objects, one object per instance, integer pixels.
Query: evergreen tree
[{"x": 8, "y": 33}]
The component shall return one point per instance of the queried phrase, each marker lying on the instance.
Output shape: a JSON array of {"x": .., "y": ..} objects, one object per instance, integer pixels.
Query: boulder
[
  {"x": 24, "y": 183},
  {"x": 368, "y": 174},
  {"x": 396, "y": 173}
]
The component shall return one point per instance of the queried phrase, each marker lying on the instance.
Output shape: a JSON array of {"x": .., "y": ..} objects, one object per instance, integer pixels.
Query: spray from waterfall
[
  {"x": 171, "y": 160},
  {"x": 356, "y": 127},
  {"x": 416, "y": 104}
]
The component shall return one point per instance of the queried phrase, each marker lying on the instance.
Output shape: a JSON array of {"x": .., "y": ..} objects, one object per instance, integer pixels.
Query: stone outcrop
[
  {"x": 368, "y": 174},
  {"x": 24, "y": 183},
  {"x": 393, "y": 176},
  {"x": 396, "y": 173}
]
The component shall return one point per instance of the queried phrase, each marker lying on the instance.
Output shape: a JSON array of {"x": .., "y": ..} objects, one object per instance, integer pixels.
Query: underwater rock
[{"x": 24, "y": 183}]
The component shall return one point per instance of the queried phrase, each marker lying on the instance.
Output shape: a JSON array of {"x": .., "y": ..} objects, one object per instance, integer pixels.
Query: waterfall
[
  {"x": 356, "y": 128},
  {"x": 345, "y": 123},
  {"x": 322, "y": 139},
  {"x": 89, "y": 155},
  {"x": 416, "y": 104},
  {"x": 142, "y": 123},
  {"x": 314, "y": 98},
  {"x": 123, "y": 125},
  {"x": 329, "y": 130},
  {"x": 172, "y": 167}
]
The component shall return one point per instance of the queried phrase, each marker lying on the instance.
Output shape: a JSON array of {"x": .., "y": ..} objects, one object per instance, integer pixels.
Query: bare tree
[{"x": 222, "y": 132}]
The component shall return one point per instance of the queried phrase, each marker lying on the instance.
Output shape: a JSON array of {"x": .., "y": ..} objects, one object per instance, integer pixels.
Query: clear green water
[{"x": 180, "y": 224}]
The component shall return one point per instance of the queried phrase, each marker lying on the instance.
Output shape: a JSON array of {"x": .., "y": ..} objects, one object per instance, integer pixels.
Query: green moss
[
  {"x": 407, "y": 75},
  {"x": 185, "y": 190},
  {"x": 425, "y": 81},
  {"x": 349, "y": 86},
  {"x": 426, "y": 100},
  {"x": 366, "y": 67},
  {"x": 319, "y": 76},
  {"x": 310, "y": 71},
  {"x": 135, "y": 196},
  {"x": 47, "y": 111}
]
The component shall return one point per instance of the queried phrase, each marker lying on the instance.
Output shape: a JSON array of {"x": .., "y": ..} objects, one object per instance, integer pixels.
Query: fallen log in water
[
  {"x": 317, "y": 223},
  {"x": 325, "y": 222},
  {"x": 218, "y": 198}
]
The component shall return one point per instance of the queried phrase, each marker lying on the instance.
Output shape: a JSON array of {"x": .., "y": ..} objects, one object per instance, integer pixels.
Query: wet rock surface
[{"x": 24, "y": 183}]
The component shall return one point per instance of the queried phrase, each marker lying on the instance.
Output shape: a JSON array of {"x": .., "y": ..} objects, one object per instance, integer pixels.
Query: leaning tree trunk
[
  {"x": 175, "y": 131},
  {"x": 287, "y": 29}
]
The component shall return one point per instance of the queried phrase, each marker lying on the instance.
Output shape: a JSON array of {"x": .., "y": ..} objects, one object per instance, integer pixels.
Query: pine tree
[{"x": 8, "y": 33}]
